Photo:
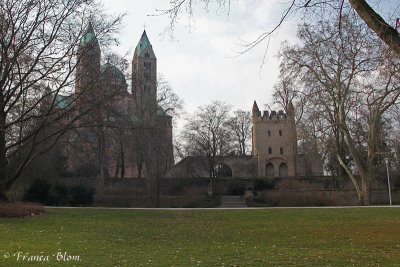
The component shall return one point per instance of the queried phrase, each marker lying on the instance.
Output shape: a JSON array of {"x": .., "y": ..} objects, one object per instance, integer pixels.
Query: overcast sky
[{"x": 201, "y": 63}]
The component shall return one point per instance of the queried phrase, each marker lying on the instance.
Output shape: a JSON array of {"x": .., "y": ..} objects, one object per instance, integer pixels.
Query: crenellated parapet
[{"x": 272, "y": 115}]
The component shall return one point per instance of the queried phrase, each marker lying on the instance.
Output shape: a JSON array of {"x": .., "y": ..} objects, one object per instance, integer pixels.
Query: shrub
[
  {"x": 39, "y": 191},
  {"x": 261, "y": 201},
  {"x": 60, "y": 195},
  {"x": 203, "y": 202},
  {"x": 236, "y": 189},
  {"x": 86, "y": 170},
  {"x": 263, "y": 184},
  {"x": 19, "y": 209},
  {"x": 81, "y": 195}
]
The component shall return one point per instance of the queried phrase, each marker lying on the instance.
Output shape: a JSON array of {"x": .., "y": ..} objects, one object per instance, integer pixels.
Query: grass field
[{"x": 304, "y": 237}]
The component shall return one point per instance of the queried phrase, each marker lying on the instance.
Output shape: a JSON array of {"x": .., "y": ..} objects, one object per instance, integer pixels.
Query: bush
[
  {"x": 236, "y": 189},
  {"x": 204, "y": 202},
  {"x": 39, "y": 191},
  {"x": 81, "y": 195},
  {"x": 60, "y": 195},
  {"x": 86, "y": 170},
  {"x": 261, "y": 201},
  {"x": 21, "y": 210},
  {"x": 43, "y": 192},
  {"x": 263, "y": 184}
]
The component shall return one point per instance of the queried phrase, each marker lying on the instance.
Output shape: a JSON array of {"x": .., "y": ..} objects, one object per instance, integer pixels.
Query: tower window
[
  {"x": 281, "y": 150},
  {"x": 270, "y": 150},
  {"x": 146, "y": 65},
  {"x": 147, "y": 54},
  {"x": 269, "y": 133},
  {"x": 280, "y": 132}
]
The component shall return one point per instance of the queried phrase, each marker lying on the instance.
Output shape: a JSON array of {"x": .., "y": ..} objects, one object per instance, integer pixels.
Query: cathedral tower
[
  {"x": 144, "y": 80},
  {"x": 88, "y": 62}
]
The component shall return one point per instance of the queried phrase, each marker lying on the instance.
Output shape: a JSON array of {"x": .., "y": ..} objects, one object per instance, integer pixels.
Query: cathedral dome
[{"x": 110, "y": 72}]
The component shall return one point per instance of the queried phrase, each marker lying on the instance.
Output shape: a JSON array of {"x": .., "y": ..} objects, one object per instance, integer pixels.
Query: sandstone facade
[{"x": 119, "y": 133}]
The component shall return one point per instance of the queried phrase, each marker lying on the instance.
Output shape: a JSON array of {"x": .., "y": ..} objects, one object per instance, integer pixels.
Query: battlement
[{"x": 271, "y": 115}]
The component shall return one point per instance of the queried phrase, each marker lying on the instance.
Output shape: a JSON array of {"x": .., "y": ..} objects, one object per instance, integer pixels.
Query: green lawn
[{"x": 319, "y": 237}]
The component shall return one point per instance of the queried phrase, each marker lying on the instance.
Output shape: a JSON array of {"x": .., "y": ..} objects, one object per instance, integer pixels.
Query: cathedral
[{"x": 119, "y": 133}]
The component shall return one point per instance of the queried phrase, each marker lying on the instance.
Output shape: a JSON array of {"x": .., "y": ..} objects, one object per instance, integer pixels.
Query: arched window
[
  {"x": 269, "y": 170},
  {"x": 283, "y": 170},
  {"x": 223, "y": 170}
]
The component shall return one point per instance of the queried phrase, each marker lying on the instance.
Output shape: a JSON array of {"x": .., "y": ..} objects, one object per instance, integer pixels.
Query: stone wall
[{"x": 291, "y": 191}]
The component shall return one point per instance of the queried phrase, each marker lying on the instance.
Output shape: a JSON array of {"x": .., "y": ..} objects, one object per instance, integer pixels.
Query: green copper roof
[
  {"x": 88, "y": 36},
  {"x": 110, "y": 72},
  {"x": 63, "y": 101},
  {"x": 161, "y": 111},
  {"x": 143, "y": 43}
]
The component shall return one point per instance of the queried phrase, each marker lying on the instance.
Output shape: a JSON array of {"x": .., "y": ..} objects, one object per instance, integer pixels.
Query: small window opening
[
  {"x": 270, "y": 150},
  {"x": 280, "y": 132}
]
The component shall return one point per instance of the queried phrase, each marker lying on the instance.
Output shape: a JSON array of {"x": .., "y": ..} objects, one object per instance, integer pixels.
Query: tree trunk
[
  {"x": 117, "y": 169},
  {"x": 101, "y": 164},
  {"x": 365, "y": 186},
  {"x": 212, "y": 187},
  {"x": 3, "y": 157},
  {"x": 158, "y": 192},
  {"x": 359, "y": 190},
  {"x": 387, "y": 33},
  {"x": 122, "y": 163},
  {"x": 139, "y": 168}
]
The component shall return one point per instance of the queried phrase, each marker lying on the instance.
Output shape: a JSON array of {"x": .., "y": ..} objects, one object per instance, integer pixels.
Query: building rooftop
[
  {"x": 88, "y": 36},
  {"x": 110, "y": 72},
  {"x": 143, "y": 43}
]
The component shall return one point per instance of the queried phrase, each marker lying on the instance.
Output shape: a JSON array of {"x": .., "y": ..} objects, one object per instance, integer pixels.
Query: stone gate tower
[{"x": 274, "y": 142}]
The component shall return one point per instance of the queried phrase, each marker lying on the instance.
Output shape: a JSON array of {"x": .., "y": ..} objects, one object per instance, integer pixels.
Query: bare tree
[
  {"x": 240, "y": 126},
  {"x": 388, "y": 33},
  {"x": 351, "y": 81},
  {"x": 206, "y": 134},
  {"x": 167, "y": 99},
  {"x": 38, "y": 42}
]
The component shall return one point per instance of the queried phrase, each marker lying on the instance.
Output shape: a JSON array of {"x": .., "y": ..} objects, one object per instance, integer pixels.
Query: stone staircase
[{"x": 232, "y": 202}]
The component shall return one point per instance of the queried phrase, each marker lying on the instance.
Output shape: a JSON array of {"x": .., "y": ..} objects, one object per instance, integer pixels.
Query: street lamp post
[{"x": 387, "y": 171}]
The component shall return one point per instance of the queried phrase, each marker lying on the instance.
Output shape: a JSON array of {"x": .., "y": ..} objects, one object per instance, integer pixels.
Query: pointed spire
[
  {"x": 256, "y": 110},
  {"x": 89, "y": 35},
  {"x": 290, "y": 109},
  {"x": 143, "y": 43},
  {"x": 255, "y": 107},
  {"x": 89, "y": 28}
]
